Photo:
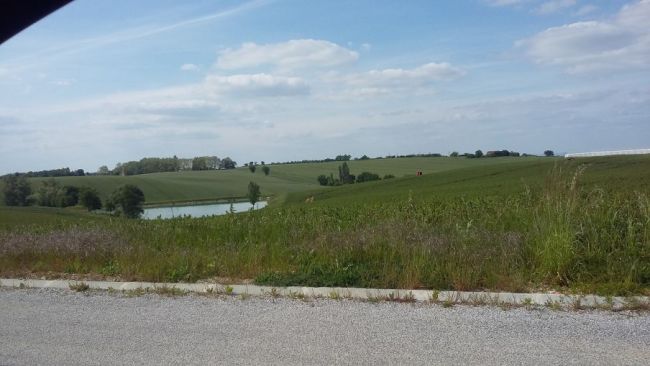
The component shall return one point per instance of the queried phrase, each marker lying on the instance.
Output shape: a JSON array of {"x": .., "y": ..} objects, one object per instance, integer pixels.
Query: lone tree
[
  {"x": 344, "y": 174},
  {"x": 549, "y": 153},
  {"x": 253, "y": 193},
  {"x": 252, "y": 167},
  {"x": 454, "y": 154},
  {"x": 16, "y": 191},
  {"x": 478, "y": 154},
  {"x": 266, "y": 170},
  {"x": 127, "y": 200},
  {"x": 89, "y": 198}
]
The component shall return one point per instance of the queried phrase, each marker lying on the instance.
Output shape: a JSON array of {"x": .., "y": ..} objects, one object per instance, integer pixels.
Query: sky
[{"x": 100, "y": 82}]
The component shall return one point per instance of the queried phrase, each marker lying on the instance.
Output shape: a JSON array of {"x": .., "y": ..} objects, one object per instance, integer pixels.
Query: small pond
[{"x": 168, "y": 212}]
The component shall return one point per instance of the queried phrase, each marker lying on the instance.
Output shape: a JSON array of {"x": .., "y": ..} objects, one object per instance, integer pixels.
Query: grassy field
[
  {"x": 283, "y": 180},
  {"x": 511, "y": 224}
]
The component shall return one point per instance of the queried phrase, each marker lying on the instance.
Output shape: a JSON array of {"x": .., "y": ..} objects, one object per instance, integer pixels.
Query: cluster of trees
[
  {"x": 63, "y": 172},
  {"x": 126, "y": 200},
  {"x": 343, "y": 157},
  {"x": 345, "y": 177},
  {"x": 173, "y": 164},
  {"x": 18, "y": 192},
  {"x": 496, "y": 153},
  {"x": 252, "y": 166},
  {"x": 429, "y": 155}
]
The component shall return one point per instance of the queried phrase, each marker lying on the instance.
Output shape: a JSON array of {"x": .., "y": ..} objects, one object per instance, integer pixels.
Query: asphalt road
[{"x": 51, "y": 327}]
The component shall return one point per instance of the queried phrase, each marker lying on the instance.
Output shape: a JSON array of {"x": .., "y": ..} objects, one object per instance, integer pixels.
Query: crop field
[
  {"x": 509, "y": 224},
  {"x": 284, "y": 179}
]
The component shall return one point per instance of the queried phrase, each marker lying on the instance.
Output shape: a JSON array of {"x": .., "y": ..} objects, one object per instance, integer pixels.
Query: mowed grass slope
[
  {"x": 508, "y": 177},
  {"x": 284, "y": 179}
]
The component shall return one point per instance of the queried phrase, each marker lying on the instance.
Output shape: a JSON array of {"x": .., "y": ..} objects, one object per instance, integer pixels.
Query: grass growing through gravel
[{"x": 558, "y": 232}]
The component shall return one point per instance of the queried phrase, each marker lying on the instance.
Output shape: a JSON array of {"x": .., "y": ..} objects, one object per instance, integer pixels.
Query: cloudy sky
[{"x": 100, "y": 82}]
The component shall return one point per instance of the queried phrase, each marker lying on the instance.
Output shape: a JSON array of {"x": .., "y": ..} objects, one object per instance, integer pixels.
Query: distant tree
[
  {"x": 478, "y": 154},
  {"x": 253, "y": 193},
  {"x": 367, "y": 177},
  {"x": 227, "y": 163},
  {"x": 199, "y": 163},
  {"x": 266, "y": 170},
  {"x": 344, "y": 174},
  {"x": 252, "y": 167},
  {"x": 344, "y": 157},
  {"x": 89, "y": 198},
  {"x": 48, "y": 194},
  {"x": 549, "y": 153},
  {"x": 454, "y": 154},
  {"x": 364, "y": 157},
  {"x": 128, "y": 200},
  {"x": 69, "y": 196},
  {"x": 103, "y": 170},
  {"x": 262, "y": 162},
  {"x": 322, "y": 180},
  {"x": 16, "y": 190},
  {"x": 80, "y": 173}
]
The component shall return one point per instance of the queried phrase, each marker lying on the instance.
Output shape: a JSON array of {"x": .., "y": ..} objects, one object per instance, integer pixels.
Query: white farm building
[{"x": 608, "y": 153}]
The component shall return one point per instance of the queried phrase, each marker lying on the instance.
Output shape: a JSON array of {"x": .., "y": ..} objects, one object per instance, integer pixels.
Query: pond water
[{"x": 168, "y": 212}]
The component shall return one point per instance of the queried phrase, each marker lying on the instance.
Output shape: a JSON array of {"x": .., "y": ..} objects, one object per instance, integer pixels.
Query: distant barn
[{"x": 608, "y": 153}]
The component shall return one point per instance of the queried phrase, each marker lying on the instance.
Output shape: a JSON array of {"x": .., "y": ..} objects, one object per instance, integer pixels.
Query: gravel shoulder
[{"x": 61, "y": 327}]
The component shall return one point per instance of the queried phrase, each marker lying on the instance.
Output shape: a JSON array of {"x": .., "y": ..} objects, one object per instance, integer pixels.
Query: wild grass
[{"x": 558, "y": 233}]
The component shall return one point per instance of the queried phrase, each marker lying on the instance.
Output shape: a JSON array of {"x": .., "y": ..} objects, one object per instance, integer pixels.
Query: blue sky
[{"x": 100, "y": 82}]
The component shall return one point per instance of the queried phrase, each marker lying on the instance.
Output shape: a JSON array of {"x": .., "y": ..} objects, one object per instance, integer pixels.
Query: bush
[
  {"x": 266, "y": 170},
  {"x": 389, "y": 176},
  {"x": 89, "y": 198},
  {"x": 367, "y": 177},
  {"x": 16, "y": 191},
  {"x": 322, "y": 180},
  {"x": 128, "y": 200},
  {"x": 69, "y": 196}
]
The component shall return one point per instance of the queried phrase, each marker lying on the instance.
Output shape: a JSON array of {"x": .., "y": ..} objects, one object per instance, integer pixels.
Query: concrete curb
[{"x": 452, "y": 297}]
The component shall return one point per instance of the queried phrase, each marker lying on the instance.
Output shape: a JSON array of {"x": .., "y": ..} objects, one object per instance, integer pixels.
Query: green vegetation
[
  {"x": 502, "y": 223},
  {"x": 89, "y": 198},
  {"x": 16, "y": 191},
  {"x": 253, "y": 193},
  {"x": 210, "y": 185},
  {"x": 127, "y": 200}
]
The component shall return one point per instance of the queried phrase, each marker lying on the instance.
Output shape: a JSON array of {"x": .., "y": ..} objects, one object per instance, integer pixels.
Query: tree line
[
  {"x": 173, "y": 164},
  {"x": 125, "y": 201},
  {"x": 62, "y": 172}
]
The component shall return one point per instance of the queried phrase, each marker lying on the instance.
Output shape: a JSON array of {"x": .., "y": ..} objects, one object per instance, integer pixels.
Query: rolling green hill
[
  {"x": 284, "y": 179},
  {"x": 617, "y": 174}
]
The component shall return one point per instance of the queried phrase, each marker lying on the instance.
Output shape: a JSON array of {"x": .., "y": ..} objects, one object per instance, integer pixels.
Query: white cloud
[
  {"x": 553, "y": 6},
  {"x": 377, "y": 82},
  {"x": 617, "y": 43},
  {"x": 63, "y": 82},
  {"x": 256, "y": 85},
  {"x": 503, "y": 2},
  {"x": 189, "y": 67},
  {"x": 293, "y": 54}
]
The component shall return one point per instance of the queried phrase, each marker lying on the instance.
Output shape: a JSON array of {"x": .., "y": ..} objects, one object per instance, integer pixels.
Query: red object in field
[{"x": 419, "y": 173}]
